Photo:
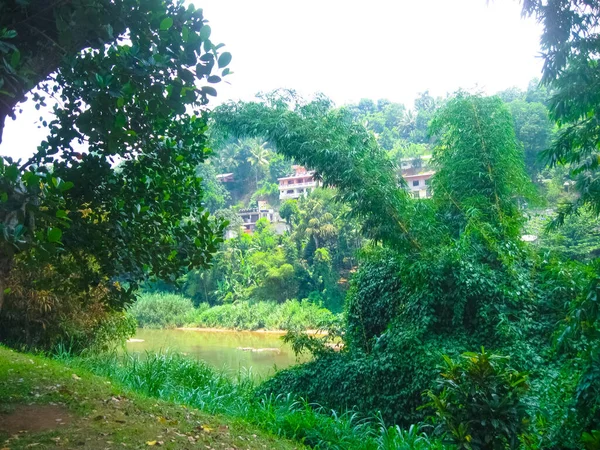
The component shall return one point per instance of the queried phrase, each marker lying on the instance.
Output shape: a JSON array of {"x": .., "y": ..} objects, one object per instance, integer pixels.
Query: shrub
[
  {"x": 477, "y": 404},
  {"x": 373, "y": 299},
  {"x": 291, "y": 314},
  {"x": 45, "y": 308},
  {"x": 161, "y": 310}
]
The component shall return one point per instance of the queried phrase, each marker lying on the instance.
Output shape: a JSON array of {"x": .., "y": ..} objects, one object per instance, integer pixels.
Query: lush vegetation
[
  {"x": 174, "y": 378},
  {"x": 171, "y": 310},
  {"x": 69, "y": 212},
  {"x": 495, "y": 276}
]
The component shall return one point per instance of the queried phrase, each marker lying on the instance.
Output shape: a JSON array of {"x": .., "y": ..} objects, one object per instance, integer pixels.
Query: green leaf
[
  {"x": 209, "y": 91},
  {"x": 185, "y": 34},
  {"x": 66, "y": 186},
  {"x": 205, "y": 33},
  {"x": 224, "y": 59},
  {"x": 54, "y": 234},
  {"x": 15, "y": 59},
  {"x": 120, "y": 120},
  {"x": 62, "y": 214},
  {"x": 214, "y": 79},
  {"x": 166, "y": 24},
  {"x": 11, "y": 172}
]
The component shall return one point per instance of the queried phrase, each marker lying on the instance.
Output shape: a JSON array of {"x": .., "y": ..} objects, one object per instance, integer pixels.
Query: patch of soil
[{"x": 34, "y": 418}]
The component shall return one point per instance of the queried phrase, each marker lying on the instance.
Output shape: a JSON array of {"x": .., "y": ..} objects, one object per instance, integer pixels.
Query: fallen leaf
[
  {"x": 151, "y": 442},
  {"x": 75, "y": 377}
]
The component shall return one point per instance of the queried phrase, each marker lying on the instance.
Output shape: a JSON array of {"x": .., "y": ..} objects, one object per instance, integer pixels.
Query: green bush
[
  {"x": 291, "y": 314},
  {"x": 44, "y": 308},
  {"x": 161, "y": 310},
  {"x": 373, "y": 299},
  {"x": 389, "y": 381},
  {"x": 478, "y": 403}
]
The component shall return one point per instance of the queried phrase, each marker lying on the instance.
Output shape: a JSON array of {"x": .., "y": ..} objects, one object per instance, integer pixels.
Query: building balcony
[{"x": 298, "y": 185}]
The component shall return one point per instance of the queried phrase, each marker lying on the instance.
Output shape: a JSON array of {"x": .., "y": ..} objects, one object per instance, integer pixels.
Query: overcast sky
[{"x": 351, "y": 49}]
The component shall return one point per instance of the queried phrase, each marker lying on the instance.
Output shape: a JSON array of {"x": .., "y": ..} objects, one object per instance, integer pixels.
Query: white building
[
  {"x": 417, "y": 174},
  {"x": 297, "y": 185},
  {"x": 250, "y": 216}
]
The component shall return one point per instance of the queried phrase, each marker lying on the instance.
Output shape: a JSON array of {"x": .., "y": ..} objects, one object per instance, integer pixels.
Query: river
[{"x": 234, "y": 351}]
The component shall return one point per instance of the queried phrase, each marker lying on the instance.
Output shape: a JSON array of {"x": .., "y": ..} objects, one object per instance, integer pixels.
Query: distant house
[
  {"x": 298, "y": 185},
  {"x": 417, "y": 174},
  {"x": 250, "y": 216},
  {"x": 225, "y": 177}
]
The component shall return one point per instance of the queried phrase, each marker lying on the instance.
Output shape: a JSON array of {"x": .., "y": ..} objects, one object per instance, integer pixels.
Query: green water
[{"x": 221, "y": 349}]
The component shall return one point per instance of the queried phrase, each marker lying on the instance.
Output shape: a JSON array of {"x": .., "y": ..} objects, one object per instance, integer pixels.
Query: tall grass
[
  {"x": 170, "y": 376},
  {"x": 272, "y": 316},
  {"x": 160, "y": 310}
]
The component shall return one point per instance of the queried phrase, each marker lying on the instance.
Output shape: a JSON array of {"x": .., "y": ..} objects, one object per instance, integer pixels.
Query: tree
[
  {"x": 534, "y": 129},
  {"x": 480, "y": 172},
  {"x": 289, "y": 211},
  {"x": 570, "y": 46},
  {"x": 215, "y": 194},
  {"x": 258, "y": 158},
  {"x": 344, "y": 154},
  {"x": 144, "y": 217}
]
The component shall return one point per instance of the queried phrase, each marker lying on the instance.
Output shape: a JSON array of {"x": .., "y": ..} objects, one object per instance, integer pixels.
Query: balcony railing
[{"x": 298, "y": 185}]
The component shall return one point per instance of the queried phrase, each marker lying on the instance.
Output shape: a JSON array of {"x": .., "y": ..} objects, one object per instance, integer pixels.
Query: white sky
[{"x": 351, "y": 49}]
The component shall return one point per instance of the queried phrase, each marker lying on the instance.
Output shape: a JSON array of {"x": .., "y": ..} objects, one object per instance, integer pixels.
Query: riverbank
[
  {"x": 53, "y": 405},
  {"x": 311, "y": 332},
  {"x": 162, "y": 310}
]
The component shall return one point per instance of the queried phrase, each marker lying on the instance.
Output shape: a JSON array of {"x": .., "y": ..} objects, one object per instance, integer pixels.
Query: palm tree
[
  {"x": 321, "y": 228},
  {"x": 259, "y": 158}
]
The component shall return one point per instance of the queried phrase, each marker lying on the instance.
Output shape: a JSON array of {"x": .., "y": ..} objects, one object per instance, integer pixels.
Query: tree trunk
[
  {"x": 1, "y": 293},
  {"x": 6, "y": 262}
]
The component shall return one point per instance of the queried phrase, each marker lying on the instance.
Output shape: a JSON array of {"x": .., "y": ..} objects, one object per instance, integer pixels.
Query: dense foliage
[
  {"x": 470, "y": 281},
  {"x": 113, "y": 194},
  {"x": 171, "y": 310},
  {"x": 478, "y": 402},
  {"x": 172, "y": 377}
]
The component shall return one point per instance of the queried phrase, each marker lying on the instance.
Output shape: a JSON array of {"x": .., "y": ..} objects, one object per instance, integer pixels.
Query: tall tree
[
  {"x": 258, "y": 158},
  {"x": 480, "y": 172},
  {"x": 571, "y": 47},
  {"x": 143, "y": 218}
]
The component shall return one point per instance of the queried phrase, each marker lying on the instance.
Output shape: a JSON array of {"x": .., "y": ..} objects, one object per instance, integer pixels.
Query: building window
[
  {"x": 290, "y": 191},
  {"x": 415, "y": 183}
]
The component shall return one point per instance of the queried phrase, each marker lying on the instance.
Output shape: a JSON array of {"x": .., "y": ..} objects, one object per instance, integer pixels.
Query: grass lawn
[{"x": 47, "y": 405}]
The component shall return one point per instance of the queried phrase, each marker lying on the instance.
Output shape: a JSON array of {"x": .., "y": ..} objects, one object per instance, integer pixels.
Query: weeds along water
[{"x": 173, "y": 377}]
